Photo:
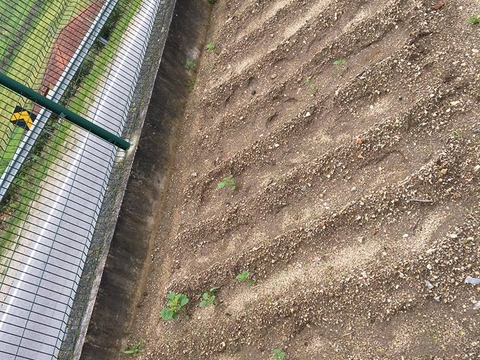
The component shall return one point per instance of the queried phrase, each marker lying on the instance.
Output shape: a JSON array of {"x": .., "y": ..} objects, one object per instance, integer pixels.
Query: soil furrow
[
  {"x": 403, "y": 290},
  {"x": 389, "y": 200},
  {"x": 311, "y": 170}
]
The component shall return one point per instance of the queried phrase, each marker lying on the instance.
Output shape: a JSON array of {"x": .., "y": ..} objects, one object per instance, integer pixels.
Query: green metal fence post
[{"x": 62, "y": 111}]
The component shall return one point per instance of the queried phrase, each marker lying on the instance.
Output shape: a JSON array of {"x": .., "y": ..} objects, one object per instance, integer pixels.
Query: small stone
[
  {"x": 273, "y": 76},
  {"x": 353, "y": 189},
  {"x": 437, "y": 298},
  {"x": 308, "y": 114},
  {"x": 472, "y": 280},
  {"x": 429, "y": 285},
  {"x": 194, "y": 174}
]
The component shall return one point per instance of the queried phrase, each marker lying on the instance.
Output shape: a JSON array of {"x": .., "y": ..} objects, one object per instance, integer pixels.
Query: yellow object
[{"x": 22, "y": 118}]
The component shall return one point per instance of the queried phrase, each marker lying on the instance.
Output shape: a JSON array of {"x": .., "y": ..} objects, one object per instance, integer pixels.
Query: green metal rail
[{"x": 62, "y": 111}]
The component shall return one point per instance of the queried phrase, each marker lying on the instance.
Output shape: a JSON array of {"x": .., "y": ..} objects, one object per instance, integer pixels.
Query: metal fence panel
[{"x": 60, "y": 203}]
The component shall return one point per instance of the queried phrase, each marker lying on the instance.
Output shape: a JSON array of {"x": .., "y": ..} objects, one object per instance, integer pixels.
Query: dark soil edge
[{"x": 128, "y": 260}]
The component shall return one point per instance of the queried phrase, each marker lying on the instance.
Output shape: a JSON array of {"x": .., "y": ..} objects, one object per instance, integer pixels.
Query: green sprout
[
  {"x": 208, "y": 297},
  {"x": 278, "y": 354},
  {"x": 190, "y": 65},
  {"x": 210, "y": 46},
  {"x": 191, "y": 84},
  {"x": 227, "y": 181},
  {"x": 244, "y": 277},
  {"x": 474, "y": 19},
  {"x": 135, "y": 349},
  {"x": 312, "y": 88},
  {"x": 339, "y": 62},
  {"x": 176, "y": 304},
  {"x": 456, "y": 134}
]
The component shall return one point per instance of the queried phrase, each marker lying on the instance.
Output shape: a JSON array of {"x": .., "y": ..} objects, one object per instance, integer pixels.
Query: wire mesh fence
[{"x": 60, "y": 185}]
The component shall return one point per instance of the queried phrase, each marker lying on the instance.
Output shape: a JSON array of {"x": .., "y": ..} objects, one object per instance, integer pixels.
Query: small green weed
[
  {"x": 467, "y": 240},
  {"x": 212, "y": 1},
  {"x": 210, "y": 46},
  {"x": 312, "y": 88},
  {"x": 191, "y": 66},
  {"x": 474, "y": 19},
  {"x": 191, "y": 84},
  {"x": 227, "y": 181},
  {"x": 341, "y": 66},
  {"x": 278, "y": 354},
  {"x": 176, "y": 304},
  {"x": 456, "y": 134},
  {"x": 135, "y": 349},
  {"x": 208, "y": 297},
  {"x": 244, "y": 276}
]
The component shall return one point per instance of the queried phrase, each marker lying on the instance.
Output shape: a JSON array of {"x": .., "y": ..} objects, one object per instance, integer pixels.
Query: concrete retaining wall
[{"x": 127, "y": 262}]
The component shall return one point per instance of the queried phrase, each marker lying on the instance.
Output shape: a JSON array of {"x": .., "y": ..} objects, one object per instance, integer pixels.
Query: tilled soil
[{"x": 352, "y": 132}]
